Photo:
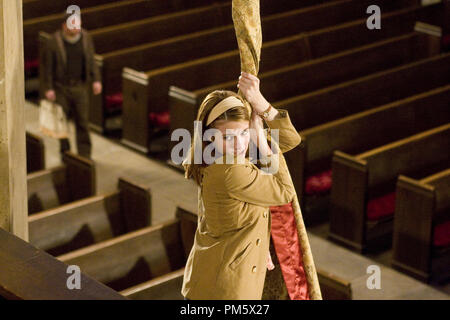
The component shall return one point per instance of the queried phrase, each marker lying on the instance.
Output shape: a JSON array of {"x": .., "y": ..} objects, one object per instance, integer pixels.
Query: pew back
[
  {"x": 333, "y": 287},
  {"x": 359, "y": 180},
  {"x": 27, "y": 273},
  {"x": 35, "y": 152},
  {"x": 407, "y": 156},
  {"x": 73, "y": 180},
  {"x": 133, "y": 258},
  {"x": 108, "y": 14},
  {"x": 374, "y": 127},
  {"x": 38, "y": 8},
  {"x": 91, "y": 220},
  {"x": 421, "y": 207}
]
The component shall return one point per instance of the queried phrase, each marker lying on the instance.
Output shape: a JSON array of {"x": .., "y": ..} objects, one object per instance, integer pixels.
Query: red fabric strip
[
  {"x": 442, "y": 234},
  {"x": 288, "y": 250}
]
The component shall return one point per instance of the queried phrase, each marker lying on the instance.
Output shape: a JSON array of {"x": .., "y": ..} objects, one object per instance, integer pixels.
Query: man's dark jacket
[{"x": 55, "y": 60}]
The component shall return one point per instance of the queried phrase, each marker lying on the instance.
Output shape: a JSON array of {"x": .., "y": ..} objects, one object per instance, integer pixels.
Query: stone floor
[{"x": 169, "y": 187}]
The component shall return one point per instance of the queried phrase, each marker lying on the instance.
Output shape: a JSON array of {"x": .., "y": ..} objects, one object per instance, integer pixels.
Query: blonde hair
[{"x": 234, "y": 114}]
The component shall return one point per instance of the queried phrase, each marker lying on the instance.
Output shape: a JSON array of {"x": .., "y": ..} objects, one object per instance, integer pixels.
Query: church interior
[{"x": 366, "y": 84}]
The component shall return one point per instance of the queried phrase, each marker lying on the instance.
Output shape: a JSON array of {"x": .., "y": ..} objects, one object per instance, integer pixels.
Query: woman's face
[{"x": 235, "y": 137}]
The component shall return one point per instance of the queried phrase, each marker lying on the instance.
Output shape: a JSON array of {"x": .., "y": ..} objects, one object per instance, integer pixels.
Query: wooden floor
[{"x": 169, "y": 187}]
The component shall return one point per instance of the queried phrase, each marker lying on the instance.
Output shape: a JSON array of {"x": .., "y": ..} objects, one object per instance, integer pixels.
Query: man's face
[{"x": 72, "y": 26}]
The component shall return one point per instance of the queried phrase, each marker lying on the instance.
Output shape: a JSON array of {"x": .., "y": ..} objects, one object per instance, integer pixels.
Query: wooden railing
[{"x": 27, "y": 273}]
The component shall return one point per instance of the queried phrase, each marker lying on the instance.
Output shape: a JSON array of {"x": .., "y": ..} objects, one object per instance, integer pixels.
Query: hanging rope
[{"x": 247, "y": 25}]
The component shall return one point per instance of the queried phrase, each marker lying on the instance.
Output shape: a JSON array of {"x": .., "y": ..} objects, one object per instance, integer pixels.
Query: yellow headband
[{"x": 224, "y": 105}]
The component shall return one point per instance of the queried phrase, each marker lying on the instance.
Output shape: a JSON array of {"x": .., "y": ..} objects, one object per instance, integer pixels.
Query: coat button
[
  {"x": 265, "y": 214},
  {"x": 258, "y": 241},
  {"x": 254, "y": 269}
]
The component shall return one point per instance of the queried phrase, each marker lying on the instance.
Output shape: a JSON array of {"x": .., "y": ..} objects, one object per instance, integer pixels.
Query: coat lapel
[{"x": 62, "y": 50}]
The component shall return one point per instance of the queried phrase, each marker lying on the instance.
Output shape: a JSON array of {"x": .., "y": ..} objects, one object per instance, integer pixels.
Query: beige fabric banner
[{"x": 247, "y": 24}]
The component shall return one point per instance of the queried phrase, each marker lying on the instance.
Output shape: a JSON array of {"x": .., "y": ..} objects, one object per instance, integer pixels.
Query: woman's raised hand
[{"x": 249, "y": 85}]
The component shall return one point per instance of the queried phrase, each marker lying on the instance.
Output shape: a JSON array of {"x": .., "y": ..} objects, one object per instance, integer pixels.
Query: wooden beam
[
  {"x": 13, "y": 188},
  {"x": 27, "y": 273}
]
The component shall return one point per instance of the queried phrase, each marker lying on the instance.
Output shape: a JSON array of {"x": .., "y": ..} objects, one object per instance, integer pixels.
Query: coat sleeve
[
  {"x": 288, "y": 137},
  {"x": 95, "y": 72},
  {"x": 247, "y": 183},
  {"x": 48, "y": 65}
]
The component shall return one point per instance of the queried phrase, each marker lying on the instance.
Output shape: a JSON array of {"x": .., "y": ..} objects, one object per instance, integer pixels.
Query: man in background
[{"x": 69, "y": 72}]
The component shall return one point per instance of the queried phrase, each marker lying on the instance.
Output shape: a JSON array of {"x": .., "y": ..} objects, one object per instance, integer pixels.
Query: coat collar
[{"x": 222, "y": 160}]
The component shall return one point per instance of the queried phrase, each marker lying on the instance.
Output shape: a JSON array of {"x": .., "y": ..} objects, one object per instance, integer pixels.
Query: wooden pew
[
  {"x": 108, "y": 14},
  {"x": 35, "y": 152},
  {"x": 168, "y": 286},
  {"x": 362, "y": 94},
  {"x": 363, "y": 189},
  {"x": 27, "y": 273},
  {"x": 91, "y": 220},
  {"x": 446, "y": 27},
  {"x": 39, "y": 8},
  {"x": 293, "y": 78},
  {"x": 152, "y": 29},
  {"x": 133, "y": 258},
  {"x": 140, "y": 98},
  {"x": 353, "y": 96},
  {"x": 318, "y": 44},
  {"x": 212, "y": 15},
  {"x": 356, "y": 133},
  {"x": 75, "y": 179},
  {"x": 147, "y": 31},
  {"x": 157, "y": 27},
  {"x": 183, "y": 104},
  {"x": 366, "y": 89},
  {"x": 421, "y": 226},
  {"x": 333, "y": 287},
  {"x": 280, "y": 83},
  {"x": 173, "y": 23}
]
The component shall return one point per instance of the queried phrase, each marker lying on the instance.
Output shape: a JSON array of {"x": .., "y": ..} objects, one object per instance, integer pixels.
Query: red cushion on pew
[
  {"x": 318, "y": 183},
  {"x": 114, "y": 101},
  {"x": 289, "y": 251},
  {"x": 160, "y": 119},
  {"x": 31, "y": 64},
  {"x": 446, "y": 42},
  {"x": 442, "y": 234},
  {"x": 381, "y": 207},
  {"x": 446, "y": 39}
]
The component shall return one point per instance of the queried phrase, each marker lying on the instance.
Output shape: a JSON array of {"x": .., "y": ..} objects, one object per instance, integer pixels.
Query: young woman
[{"x": 230, "y": 254}]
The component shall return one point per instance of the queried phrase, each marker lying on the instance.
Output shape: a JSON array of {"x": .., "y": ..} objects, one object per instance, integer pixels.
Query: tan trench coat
[
  {"x": 229, "y": 257},
  {"x": 218, "y": 258}
]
